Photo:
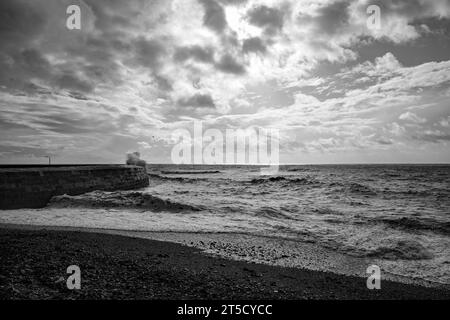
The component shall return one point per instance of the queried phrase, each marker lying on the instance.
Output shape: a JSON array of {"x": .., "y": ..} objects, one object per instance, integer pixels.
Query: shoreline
[
  {"x": 252, "y": 248},
  {"x": 129, "y": 267}
]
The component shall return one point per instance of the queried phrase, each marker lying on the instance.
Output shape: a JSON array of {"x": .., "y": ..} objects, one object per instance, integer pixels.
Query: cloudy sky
[{"x": 338, "y": 91}]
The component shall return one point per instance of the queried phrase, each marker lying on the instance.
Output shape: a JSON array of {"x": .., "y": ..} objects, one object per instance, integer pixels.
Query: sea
[{"x": 396, "y": 214}]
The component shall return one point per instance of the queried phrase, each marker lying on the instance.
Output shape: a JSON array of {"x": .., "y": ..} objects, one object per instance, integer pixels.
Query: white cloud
[{"x": 411, "y": 117}]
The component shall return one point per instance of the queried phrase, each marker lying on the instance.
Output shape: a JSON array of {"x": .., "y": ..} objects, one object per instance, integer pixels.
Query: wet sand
[{"x": 34, "y": 263}]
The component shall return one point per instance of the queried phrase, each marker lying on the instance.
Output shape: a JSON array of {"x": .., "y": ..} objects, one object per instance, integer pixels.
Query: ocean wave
[
  {"x": 265, "y": 180},
  {"x": 177, "y": 179},
  {"x": 120, "y": 199},
  {"x": 303, "y": 180},
  {"x": 327, "y": 211},
  {"x": 436, "y": 192},
  {"x": 353, "y": 187},
  {"x": 391, "y": 248},
  {"x": 360, "y": 189},
  {"x": 272, "y": 213},
  {"x": 296, "y": 169},
  {"x": 190, "y": 171},
  {"x": 411, "y": 223},
  {"x": 401, "y": 249},
  {"x": 391, "y": 174}
]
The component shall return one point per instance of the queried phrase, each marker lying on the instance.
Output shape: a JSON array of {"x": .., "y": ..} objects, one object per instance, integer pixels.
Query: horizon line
[{"x": 236, "y": 164}]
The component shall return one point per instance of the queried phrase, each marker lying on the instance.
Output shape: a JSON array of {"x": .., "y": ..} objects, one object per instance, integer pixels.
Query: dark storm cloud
[
  {"x": 114, "y": 15},
  {"x": 162, "y": 83},
  {"x": 33, "y": 61},
  {"x": 194, "y": 52},
  {"x": 98, "y": 57},
  {"x": 22, "y": 60},
  {"x": 27, "y": 64},
  {"x": 148, "y": 52},
  {"x": 254, "y": 44},
  {"x": 433, "y": 137},
  {"x": 105, "y": 72},
  {"x": 73, "y": 82},
  {"x": 332, "y": 18},
  {"x": 198, "y": 101},
  {"x": 214, "y": 17},
  {"x": 19, "y": 21},
  {"x": 228, "y": 64},
  {"x": 32, "y": 31},
  {"x": 271, "y": 19}
]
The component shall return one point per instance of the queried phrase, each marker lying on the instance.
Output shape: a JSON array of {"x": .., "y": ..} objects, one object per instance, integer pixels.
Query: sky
[{"x": 338, "y": 90}]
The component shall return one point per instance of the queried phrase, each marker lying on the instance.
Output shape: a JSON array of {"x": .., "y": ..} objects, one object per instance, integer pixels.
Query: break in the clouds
[{"x": 137, "y": 70}]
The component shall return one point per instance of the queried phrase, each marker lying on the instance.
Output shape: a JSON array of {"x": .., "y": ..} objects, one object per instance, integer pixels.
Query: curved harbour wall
[{"x": 32, "y": 187}]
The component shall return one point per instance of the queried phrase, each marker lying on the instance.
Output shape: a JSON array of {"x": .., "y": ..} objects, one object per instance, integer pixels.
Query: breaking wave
[
  {"x": 120, "y": 199},
  {"x": 190, "y": 171},
  {"x": 273, "y": 213},
  {"x": 303, "y": 180},
  {"x": 401, "y": 249},
  {"x": 177, "y": 179},
  {"x": 411, "y": 223}
]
